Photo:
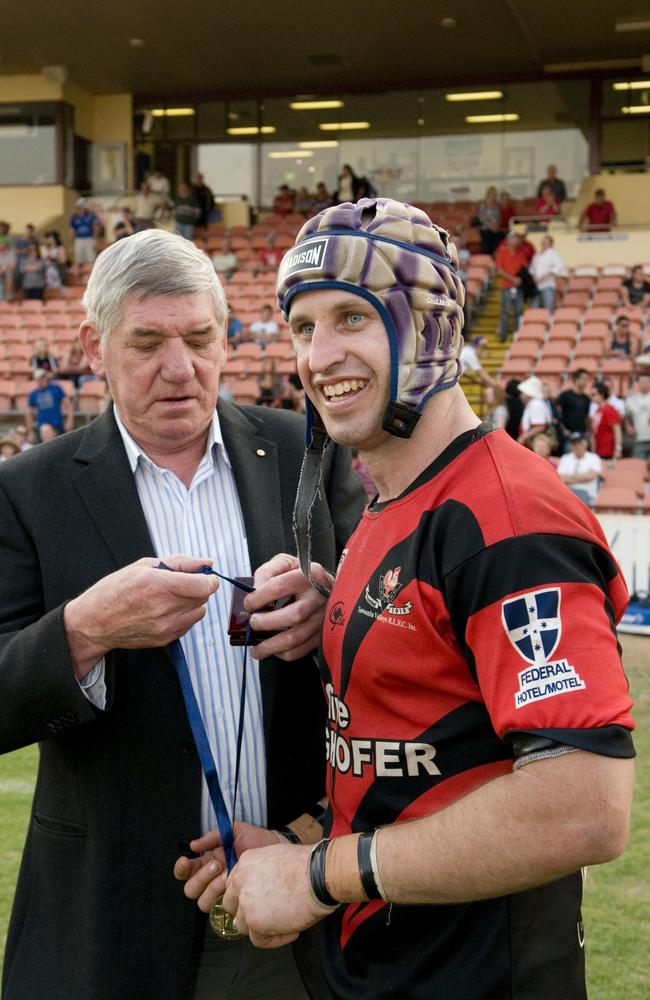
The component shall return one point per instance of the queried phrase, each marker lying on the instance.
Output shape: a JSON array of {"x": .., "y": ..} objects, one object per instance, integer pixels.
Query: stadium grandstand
[{"x": 233, "y": 129}]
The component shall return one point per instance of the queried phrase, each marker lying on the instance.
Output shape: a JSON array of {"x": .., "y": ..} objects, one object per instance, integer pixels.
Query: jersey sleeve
[{"x": 539, "y": 634}]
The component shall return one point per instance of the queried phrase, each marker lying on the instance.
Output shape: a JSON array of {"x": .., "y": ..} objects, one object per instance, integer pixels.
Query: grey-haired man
[{"x": 86, "y": 614}]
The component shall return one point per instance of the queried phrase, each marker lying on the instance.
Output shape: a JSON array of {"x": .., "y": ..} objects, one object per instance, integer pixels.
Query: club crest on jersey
[
  {"x": 533, "y": 625},
  {"x": 389, "y": 588}
]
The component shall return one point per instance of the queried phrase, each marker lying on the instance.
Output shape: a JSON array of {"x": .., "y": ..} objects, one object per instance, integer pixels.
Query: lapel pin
[{"x": 260, "y": 452}]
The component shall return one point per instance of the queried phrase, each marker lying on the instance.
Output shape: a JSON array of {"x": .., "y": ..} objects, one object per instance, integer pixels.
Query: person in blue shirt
[
  {"x": 48, "y": 404},
  {"x": 84, "y": 226}
]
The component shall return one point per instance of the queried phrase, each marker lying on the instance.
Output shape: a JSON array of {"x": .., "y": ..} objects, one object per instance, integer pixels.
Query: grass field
[{"x": 617, "y": 896}]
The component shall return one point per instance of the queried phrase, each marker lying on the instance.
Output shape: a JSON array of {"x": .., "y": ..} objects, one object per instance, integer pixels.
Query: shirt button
[
  {"x": 220, "y": 713},
  {"x": 209, "y": 641}
]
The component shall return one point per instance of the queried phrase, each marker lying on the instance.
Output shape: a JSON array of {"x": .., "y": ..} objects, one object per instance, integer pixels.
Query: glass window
[{"x": 28, "y": 144}]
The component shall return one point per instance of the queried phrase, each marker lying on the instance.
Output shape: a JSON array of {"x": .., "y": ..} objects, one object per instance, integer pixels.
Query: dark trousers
[{"x": 235, "y": 970}]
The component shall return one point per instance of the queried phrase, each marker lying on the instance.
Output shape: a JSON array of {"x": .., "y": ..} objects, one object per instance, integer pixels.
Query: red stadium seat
[{"x": 616, "y": 498}]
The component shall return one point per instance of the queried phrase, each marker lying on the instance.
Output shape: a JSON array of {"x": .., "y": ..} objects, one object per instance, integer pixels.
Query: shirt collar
[{"x": 135, "y": 453}]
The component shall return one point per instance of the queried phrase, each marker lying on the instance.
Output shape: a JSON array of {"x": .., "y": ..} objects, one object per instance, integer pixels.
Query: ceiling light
[
  {"x": 342, "y": 126},
  {"x": 315, "y": 105},
  {"x": 478, "y": 95},
  {"x": 632, "y": 26},
  {"x": 484, "y": 119},
  {"x": 136, "y": 43},
  {"x": 448, "y": 23},
  {"x": 637, "y": 109},
  {"x": 172, "y": 112},
  {"x": 251, "y": 130},
  {"x": 319, "y": 144},
  {"x": 288, "y": 154},
  {"x": 632, "y": 85}
]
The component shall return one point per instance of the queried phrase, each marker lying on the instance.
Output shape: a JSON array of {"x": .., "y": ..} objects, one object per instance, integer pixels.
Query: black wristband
[
  {"x": 317, "y": 875},
  {"x": 317, "y": 812},
  {"x": 289, "y": 835},
  {"x": 366, "y": 874}
]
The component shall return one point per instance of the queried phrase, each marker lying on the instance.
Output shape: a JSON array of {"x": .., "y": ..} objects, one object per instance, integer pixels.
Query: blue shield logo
[{"x": 532, "y": 623}]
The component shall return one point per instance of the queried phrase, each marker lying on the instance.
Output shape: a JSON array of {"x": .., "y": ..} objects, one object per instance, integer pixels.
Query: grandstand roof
[{"x": 252, "y": 48}]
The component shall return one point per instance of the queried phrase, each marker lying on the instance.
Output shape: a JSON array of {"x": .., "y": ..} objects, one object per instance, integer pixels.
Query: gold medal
[{"x": 223, "y": 923}]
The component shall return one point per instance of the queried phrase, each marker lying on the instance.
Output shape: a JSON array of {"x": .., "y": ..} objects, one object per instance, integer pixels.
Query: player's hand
[
  {"x": 205, "y": 877},
  {"x": 269, "y": 895},
  {"x": 138, "y": 607},
  {"x": 300, "y": 621}
]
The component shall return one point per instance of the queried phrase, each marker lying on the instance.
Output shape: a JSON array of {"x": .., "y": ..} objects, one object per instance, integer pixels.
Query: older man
[
  {"x": 86, "y": 615},
  {"x": 478, "y": 750}
]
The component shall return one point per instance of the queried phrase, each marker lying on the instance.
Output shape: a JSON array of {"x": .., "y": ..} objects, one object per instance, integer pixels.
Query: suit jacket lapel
[
  {"x": 254, "y": 460},
  {"x": 106, "y": 486}
]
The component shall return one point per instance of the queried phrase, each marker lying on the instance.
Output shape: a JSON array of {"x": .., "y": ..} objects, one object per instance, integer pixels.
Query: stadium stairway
[{"x": 485, "y": 324}]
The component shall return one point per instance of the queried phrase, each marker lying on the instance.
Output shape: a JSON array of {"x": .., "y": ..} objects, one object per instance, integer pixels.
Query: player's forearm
[{"x": 520, "y": 830}]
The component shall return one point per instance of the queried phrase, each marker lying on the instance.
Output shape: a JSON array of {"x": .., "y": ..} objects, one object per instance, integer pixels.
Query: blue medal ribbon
[{"x": 197, "y": 726}]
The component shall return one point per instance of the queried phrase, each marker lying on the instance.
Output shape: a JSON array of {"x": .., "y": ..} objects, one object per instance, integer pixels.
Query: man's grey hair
[{"x": 153, "y": 262}]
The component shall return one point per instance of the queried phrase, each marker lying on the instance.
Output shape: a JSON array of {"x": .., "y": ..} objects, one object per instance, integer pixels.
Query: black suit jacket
[{"x": 97, "y": 912}]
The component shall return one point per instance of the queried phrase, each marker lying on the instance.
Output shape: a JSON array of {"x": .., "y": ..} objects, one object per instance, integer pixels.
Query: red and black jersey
[{"x": 476, "y": 608}]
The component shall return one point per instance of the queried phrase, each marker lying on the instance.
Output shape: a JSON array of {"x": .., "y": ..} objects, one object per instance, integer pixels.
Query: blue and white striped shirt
[{"x": 206, "y": 520}]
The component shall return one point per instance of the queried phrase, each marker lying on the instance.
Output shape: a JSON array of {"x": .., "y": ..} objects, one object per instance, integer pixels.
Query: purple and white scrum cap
[{"x": 392, "y": 255}]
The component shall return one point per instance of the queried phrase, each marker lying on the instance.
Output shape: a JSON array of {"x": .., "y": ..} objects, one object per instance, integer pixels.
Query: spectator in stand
[
  {"x": 224, "y": 261},
  {"x": 599, "y": 215},
  {"x": 537, "y": 415},
  {"x": 48, "y": 404},
  {"x": 322, "y": 198},
  {"x": 21, "y": 245},
  {"x": 573, "y": 405},
  {"x": 557, "y": 186},
  {"x": 507, "y": 210},
  {"x": 186, "y": 211},
  {"x": 268, "y": 259},
  {"x": 235, "y": 330},
  {"x": 545, "y": 267},
  {"x": 547, "y": 205},
  {"x": 124, "y": 226},
  {"x": 48, "y": 432},
  {"x": 636, "y": 289},
  {"x": 265, "y": 330},
  {"x": 32, "y": 273},
  {"x": 470, "y": 358},
  {"x": 8, "y": 448},
  {"x": 510, "y": 258},
  {"x": 75, "y": 367},
  {"x": 269, "y": 383},
  {"x": 554, "y": 432},
  {"x": 637, "y": 416},
  {"x": 606, "y": 433},
  {"x": 621, "y": 344},
  {"x": 5, "y": 232},
  {"x": 542, "y": 445},
  {"x": 205, "y": 198},
  {"x": 293, "y": 394},
  {"x": 144, "y": 207},
  {"x": 7, "y": 270},
  {"x": 488, "y": 215},
  {"x": 41, "y": 358},
  {"x": 498, "y": 413},
  {"x": 284, "y": 201},
  {"x": 580, "y": 469},
  {"x": 160, "y": 186},
  {"x": 351, "y": 187},
  {"x": 54, "y": 254},
  {"x": 20, "y": 436},
  {"x": 515, "y": 407},
  {"x": 304, "y": 202},
  {"x": 84, "y": 226}
]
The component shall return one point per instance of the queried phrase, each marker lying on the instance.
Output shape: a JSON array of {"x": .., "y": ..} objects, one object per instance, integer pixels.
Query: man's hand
[
  {"x": 301, "y": 620},
  {"x": 269, "y": 895},
  {"x": 205, "y": 877},
  {"x": 138, "y": 607}
]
